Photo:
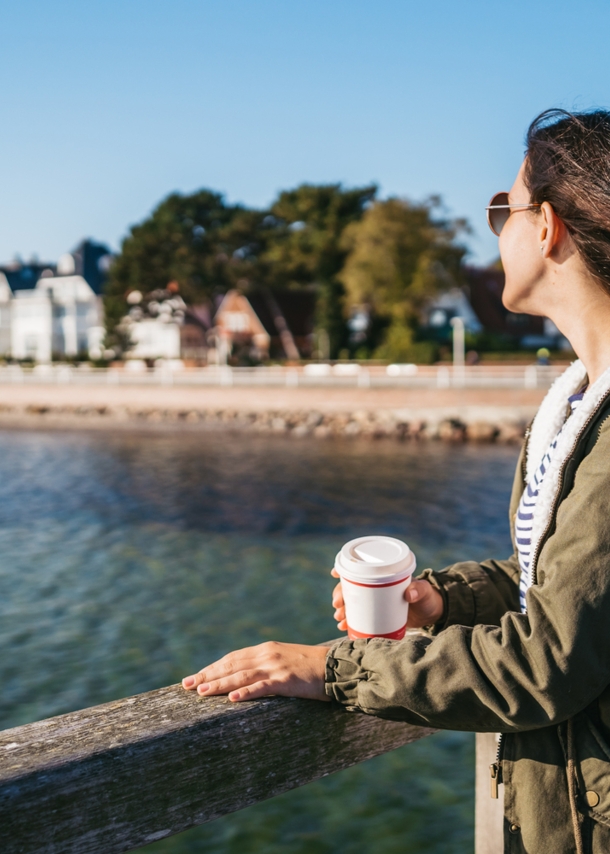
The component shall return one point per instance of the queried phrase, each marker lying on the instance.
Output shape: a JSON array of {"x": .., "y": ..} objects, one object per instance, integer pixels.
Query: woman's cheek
[{"x": 520, "y": 269}]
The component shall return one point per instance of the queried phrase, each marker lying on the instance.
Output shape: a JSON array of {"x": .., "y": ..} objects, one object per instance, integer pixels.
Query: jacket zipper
[
  {"x": 526, "y": 437},
  {"x": 495, "y": 769}
]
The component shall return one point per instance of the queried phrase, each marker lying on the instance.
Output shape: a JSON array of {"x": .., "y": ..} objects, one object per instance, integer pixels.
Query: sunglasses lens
[{"x": 498, "y": 216}]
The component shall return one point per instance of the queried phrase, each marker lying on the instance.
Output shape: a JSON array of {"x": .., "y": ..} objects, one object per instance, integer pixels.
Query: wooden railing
[{"x": 121, "y": 775}]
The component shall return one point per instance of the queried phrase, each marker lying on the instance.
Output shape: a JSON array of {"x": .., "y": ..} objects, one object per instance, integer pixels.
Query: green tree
[
  {"x": 305, "y": 247},
  {"x": 208, "y": 247},
  {"x": 398, "y": 256},
  {"x": 197, "y": 240}
]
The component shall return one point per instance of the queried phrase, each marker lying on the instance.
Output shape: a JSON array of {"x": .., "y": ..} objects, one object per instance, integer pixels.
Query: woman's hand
[
  {"x": 425, "y": 604},
  {"x": 286, "y": 669}
]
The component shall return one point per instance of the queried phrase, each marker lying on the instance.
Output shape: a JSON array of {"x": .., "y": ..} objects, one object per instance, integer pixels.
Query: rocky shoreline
[{"x": 399, "y": 425}]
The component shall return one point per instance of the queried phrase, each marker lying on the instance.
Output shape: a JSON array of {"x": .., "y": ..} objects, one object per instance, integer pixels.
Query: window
[
  {"x": 236, "y": 321},
  {"x": 31, "y": 346}
]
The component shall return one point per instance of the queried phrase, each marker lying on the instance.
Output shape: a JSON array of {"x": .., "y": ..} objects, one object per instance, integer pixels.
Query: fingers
[
  {"x": 427, "y": 604},
  {"x": 337, "y": 598},
  {"x": 264, "y": 655},
  {"x": 413, "y": 593},
  {"x": 226, "y": 666},
  {"x": 190, "y": 682},
  {"x": 334, "y": 573},
  {"x": 338, "y": 604},
  {"x": 262, "y": 688},
  {"x": 239, "y": 681}
]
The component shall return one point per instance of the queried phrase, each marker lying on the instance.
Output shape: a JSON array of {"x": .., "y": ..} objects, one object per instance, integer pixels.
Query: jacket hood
[{"x": 549, "y": 420}]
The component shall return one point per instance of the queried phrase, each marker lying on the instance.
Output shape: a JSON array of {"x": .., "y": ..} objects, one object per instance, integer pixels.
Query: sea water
[{"x": 129, "y": 560}]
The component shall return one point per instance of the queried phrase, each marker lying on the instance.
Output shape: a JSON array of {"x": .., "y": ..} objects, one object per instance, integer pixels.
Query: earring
[{"x": 542, "y": 249}]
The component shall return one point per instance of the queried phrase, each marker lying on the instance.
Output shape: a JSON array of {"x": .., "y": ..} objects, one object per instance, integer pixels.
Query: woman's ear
[{"x": 552, "y": 232}]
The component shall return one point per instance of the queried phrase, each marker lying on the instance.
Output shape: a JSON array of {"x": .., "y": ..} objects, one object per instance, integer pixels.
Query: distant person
[
  {"x": 518, "y": 646},
  {"x": 472, "y": 357},
  {"x": 543, "y": 356}
]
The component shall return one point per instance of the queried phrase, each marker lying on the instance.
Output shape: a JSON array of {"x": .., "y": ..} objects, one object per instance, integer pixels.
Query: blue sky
[{"x": 106, "y": 107}]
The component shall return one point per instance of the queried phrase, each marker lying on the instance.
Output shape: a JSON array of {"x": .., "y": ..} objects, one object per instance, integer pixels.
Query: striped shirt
[{"x": 525, "y": 513}]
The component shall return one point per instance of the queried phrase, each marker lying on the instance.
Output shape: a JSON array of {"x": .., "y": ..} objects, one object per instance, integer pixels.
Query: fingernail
[
  {"x": 188, "y": 682},
  {"x": 234, "y": 695},
  {"x": 203, "y": 688}
]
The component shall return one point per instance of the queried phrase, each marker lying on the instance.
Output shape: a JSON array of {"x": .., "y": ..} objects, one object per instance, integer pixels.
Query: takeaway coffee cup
[{"x": 375, "y": 572}]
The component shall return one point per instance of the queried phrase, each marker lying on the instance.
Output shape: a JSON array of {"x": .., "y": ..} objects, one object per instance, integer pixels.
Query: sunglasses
[{"x": 499, "y": 210}]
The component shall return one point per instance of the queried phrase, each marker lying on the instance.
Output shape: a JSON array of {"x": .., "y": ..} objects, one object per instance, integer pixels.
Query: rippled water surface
[{"x": 128, "y": 561}]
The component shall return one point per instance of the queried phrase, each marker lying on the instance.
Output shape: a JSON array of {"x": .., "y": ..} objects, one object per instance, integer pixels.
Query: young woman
[{"x": 518, "y": 646}]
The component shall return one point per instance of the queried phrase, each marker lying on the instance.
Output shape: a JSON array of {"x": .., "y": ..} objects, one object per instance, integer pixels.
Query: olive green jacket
[{"x": 542, "y": 678}]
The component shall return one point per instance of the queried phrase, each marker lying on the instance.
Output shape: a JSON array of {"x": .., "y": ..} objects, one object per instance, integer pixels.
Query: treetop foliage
[
  {"x": 343, "y": 243},
  {"x": 398, "y": 255},
  {"x": 310, "y": 220}
]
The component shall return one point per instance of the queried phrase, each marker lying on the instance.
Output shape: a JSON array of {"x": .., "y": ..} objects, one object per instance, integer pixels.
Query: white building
[
  {"x": 61, "y": 316},
  {"x": 452, "y": 303},
  {"x": 6, "y": 296},
  {"x": 154, "y": 338},
  {"x": 153, "y": 324}
]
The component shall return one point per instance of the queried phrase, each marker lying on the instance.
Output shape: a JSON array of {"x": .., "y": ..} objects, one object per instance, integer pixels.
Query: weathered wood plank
[
  {"x": 114, "y": 777},
  {"x": 489, "y": 813}
]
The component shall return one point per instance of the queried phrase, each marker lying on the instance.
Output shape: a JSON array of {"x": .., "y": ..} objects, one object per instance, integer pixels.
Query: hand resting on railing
[
  {"x": 285, "y": 669},
  {"x": 296, "y": 670}
]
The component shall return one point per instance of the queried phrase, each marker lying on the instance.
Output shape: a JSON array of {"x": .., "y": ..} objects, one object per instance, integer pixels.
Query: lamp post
[{"x": 459, "y": 358}]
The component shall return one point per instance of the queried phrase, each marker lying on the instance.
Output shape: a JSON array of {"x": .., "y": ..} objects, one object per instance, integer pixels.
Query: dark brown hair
[{"x": 568, "y": 165}]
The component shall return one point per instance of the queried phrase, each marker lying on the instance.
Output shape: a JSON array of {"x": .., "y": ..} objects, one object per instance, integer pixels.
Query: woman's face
[{"x": 519, "y": 243}]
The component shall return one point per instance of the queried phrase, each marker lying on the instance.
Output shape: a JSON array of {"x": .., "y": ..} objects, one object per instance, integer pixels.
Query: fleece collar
[{"x": 549, "y": 420}]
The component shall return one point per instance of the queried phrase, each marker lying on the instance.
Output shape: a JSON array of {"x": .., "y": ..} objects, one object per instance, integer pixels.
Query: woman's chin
[{"x": 520, "y": 303}]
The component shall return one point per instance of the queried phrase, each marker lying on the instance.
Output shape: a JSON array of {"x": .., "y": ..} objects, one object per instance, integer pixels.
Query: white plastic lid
[{"x": 375, "y": 558}]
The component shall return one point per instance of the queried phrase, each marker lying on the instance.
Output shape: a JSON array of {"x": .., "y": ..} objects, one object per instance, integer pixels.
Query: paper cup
[{"x": 375, "y": 572}]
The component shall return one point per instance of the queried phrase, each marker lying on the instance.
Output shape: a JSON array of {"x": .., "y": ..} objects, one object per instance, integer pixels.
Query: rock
[
  {"x": 481, "y": 431},
  {"x": 368, "y": 423},
  {"x": 402, "y": 430},
  {"x": 417, "y": 429},
  {"x": 314, "y": 418},
  {"x": 339, "y": 423},
  {"x": 452, "y": 430},
  {"x": 429, "y": 430},
  {"x": 511, "y": 432},
  {"x": 352, "y": 428}
]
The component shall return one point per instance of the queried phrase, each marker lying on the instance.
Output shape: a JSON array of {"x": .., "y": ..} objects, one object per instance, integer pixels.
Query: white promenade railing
[{"x": 314, "y": 374}]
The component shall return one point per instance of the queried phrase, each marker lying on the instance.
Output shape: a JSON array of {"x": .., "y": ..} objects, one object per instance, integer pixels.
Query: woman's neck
[{"x": 584, "y": 318}]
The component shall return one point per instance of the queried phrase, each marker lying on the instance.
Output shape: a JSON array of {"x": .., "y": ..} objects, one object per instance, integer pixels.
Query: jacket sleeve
[
  {"x": 476, "y": 593},
  {"x": 530, "y": 671}
]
